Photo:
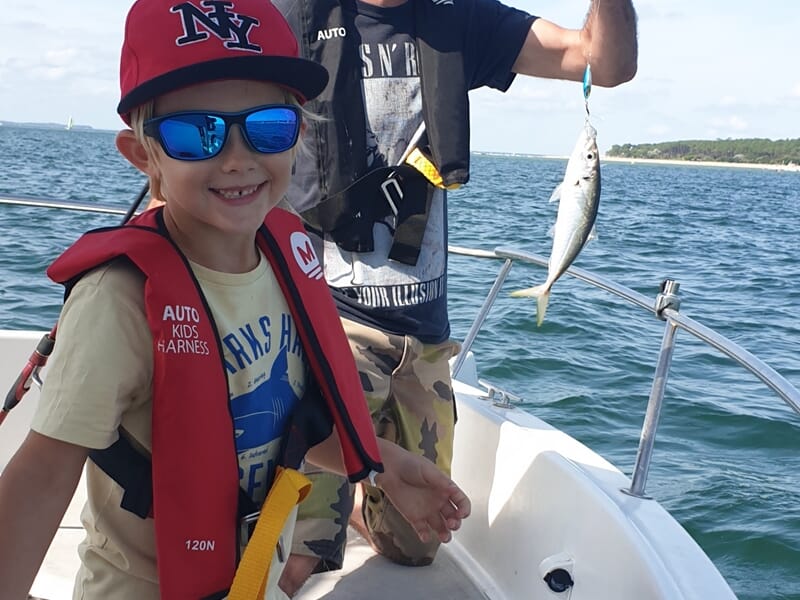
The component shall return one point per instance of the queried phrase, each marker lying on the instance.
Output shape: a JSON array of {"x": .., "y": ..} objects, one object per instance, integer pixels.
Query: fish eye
[{"x": 590, "y": 155}]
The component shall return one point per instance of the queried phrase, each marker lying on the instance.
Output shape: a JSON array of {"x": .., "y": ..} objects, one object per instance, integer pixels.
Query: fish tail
[{"x": 542, "y": 295}]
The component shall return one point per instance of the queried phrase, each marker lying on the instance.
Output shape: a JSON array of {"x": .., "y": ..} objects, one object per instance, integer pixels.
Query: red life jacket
[{"x": 195, "y": 501}]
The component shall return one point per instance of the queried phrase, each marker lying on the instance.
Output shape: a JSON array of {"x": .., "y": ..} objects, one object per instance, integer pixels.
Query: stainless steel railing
[
  {"x": 48, "y": 202},
  {"x": 666, "y": 307},
  {"x": 41, "y": 202}
]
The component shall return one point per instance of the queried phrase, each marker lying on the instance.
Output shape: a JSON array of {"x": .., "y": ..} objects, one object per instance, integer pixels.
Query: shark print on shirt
[
  {"x": 259, "y": 416},
  {"x": 266, "y": 374}
]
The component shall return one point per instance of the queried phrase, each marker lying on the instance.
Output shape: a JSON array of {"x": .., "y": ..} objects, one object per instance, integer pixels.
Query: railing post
[
  {"x": 668, "y": 298},
  {"x": 482, "y": 314}
]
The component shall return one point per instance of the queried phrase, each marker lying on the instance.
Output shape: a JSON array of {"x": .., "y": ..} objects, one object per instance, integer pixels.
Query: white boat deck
[
  {"x": 541, "y": 502},
  {"x": 364, "y": 575},
  {"x": 368, "y": 575}
]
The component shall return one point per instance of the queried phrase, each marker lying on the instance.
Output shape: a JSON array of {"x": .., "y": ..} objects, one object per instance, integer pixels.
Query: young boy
[{"x": 198, "y": 347}]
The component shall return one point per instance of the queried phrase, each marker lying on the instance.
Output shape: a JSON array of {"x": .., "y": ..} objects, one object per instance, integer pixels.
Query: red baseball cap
[{"x": 172, "y": 44}]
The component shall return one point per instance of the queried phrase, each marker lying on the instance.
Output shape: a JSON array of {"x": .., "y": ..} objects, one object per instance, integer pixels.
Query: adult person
[{"x": 398, "y": 68}]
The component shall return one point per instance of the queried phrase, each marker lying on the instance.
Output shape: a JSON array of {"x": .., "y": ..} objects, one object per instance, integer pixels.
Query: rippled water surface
[{"x": 727, "y": 456}]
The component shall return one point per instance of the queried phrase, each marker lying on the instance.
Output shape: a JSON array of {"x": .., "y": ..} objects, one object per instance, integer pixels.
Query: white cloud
[
  {"x": 658, "y": 130},
  {"x": 681, "y": 85},
  {"x": 729, "y": 123},
  {"x": 61, "y": 57},
  {"x": 738, "y": 123}
]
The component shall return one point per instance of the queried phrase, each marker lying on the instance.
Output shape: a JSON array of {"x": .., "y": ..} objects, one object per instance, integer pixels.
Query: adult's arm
[{"x": 607, "y": 42}]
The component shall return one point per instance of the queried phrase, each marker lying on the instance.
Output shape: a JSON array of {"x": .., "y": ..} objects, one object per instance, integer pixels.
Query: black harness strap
[
  {"x": 128, "y": 464},
  {"x": 411, "y": 228},
  {"x": 349, "y": 216},
  {"x": 133, "y": 472}
]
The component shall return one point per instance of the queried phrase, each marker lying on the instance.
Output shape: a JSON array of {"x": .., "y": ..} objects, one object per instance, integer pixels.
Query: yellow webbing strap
[
  {"x": 422, "y": 164},
  {"x": 289, "y": 489}
]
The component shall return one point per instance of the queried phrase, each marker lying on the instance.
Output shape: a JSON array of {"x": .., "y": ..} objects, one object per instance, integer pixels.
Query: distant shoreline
[
  {"x": 703, "y": 163},
  {"x": 793, "y": 168}
]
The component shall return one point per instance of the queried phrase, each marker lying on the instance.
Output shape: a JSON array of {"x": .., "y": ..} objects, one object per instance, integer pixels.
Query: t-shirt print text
[
  {"x": 181, "y": 334},
  {"x": 390, "y": 59}
]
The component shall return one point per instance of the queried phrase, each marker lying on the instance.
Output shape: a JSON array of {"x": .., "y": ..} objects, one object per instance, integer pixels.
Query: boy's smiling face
[{"x": 214, "y": 206}]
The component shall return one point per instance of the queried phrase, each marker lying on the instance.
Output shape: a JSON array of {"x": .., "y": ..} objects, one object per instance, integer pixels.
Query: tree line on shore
[{"x": 754, "y": 150}]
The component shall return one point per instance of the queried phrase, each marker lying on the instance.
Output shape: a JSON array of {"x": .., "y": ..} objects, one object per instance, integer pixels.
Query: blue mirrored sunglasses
[{"x": 199, "y": 135}]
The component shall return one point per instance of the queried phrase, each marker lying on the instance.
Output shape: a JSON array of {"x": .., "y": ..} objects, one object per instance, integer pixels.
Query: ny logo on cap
[{"x": 231, "y": 27}]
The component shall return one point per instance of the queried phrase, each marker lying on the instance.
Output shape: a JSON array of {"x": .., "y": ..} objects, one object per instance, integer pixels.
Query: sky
[{"x": 708, "y": 69}]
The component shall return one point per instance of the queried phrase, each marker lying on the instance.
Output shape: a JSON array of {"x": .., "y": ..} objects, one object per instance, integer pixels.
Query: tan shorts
[{"x": 409, "y": 392}]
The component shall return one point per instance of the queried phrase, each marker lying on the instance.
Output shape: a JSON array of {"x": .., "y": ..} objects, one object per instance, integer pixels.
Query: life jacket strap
[
  {"x": 289, "y": 489},
  {"x": 132, "y": 471},
  {"x": 348, "y": 217},
  {"x": 422, "y": 163}
]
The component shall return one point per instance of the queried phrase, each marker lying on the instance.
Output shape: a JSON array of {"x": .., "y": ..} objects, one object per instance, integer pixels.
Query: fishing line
[{"x": 587, "y": 74}]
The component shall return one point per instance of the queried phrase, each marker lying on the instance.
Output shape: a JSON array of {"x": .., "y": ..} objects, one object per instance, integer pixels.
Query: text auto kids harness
[{"x": 190, "y": 395}]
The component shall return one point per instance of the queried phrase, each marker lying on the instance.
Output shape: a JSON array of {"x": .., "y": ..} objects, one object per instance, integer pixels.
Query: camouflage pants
[{"x": 409, "y": 392}]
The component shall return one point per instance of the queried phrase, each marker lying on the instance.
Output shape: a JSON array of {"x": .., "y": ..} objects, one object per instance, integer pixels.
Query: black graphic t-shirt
[{"x": 369, "y": 288}]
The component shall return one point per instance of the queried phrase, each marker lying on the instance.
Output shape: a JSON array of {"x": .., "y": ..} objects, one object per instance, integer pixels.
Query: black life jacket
[{"x": 351, "y": 198}]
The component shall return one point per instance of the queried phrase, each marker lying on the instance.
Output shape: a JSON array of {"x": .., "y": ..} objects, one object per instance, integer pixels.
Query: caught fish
[{"x": 579, "y": 198}]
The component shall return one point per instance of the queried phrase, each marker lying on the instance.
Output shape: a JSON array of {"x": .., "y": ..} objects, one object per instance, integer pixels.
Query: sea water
[{"x": 726, "y": 462}]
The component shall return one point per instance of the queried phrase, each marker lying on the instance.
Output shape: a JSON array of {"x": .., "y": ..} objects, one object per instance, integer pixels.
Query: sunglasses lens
[
  {"x": 192, "y": 136},
  {"x": 197, "y": 136},
  {"x": 273, "y": 129}
]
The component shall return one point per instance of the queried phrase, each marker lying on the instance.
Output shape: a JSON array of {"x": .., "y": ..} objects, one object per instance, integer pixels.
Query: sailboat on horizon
[{"x": 69, "y": 123}]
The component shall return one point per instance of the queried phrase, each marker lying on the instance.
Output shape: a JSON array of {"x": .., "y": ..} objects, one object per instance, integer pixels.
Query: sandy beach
[
  {"x": 701, "y": 163},
  {"x": 790, "y": 168}
]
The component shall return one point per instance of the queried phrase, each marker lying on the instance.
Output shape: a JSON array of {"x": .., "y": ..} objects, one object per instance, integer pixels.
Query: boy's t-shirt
[{"x": 99, "y": 379}]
